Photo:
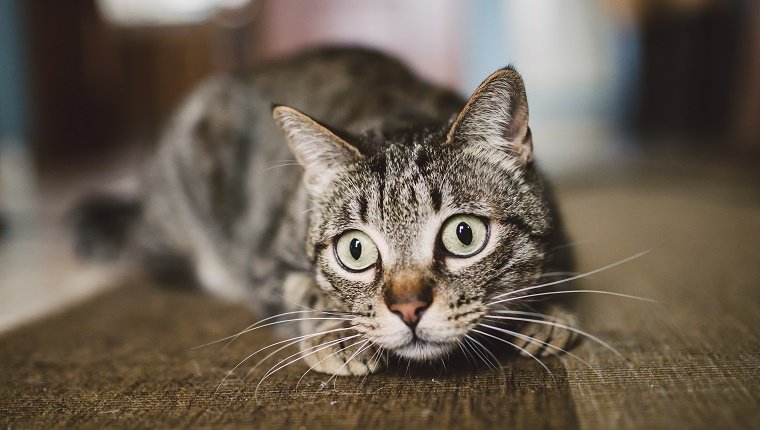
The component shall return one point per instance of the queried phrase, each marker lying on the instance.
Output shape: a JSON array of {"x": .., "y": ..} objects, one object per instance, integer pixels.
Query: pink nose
[{"x": 410, "y": 312}]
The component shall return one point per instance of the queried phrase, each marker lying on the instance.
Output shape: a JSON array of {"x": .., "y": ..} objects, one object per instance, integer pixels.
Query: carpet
[{"x": 127, "y": 357}]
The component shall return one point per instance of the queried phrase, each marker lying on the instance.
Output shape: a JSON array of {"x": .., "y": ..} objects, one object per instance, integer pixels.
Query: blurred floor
[{"x": 38, "y": 273}]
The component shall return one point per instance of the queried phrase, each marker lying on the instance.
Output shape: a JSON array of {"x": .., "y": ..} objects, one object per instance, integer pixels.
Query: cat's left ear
[
  {"x": 318, "y": 149},
  {"x": 497, "y": 115}
]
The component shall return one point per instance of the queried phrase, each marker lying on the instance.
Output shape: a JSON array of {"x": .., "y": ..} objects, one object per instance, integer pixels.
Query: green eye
[
  {"x": 356, "y": 251},
  {"x": 464, "y": 235}
]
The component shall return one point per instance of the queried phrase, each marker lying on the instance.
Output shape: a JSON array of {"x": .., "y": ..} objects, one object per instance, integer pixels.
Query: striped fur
[{"x": 383, "y": 152}]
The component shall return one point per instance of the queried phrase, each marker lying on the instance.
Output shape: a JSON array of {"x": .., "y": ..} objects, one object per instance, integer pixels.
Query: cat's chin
[{"x": 419, "y": 350}]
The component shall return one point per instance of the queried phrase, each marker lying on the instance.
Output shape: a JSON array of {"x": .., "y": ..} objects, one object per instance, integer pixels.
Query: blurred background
[{"x": 86, "y": 84}]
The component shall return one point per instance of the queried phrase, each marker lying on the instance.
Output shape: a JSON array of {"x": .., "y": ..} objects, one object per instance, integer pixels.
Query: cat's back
[{"x": 354, "y": 89}]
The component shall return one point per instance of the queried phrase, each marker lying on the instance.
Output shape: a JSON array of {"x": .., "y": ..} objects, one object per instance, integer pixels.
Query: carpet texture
[{"x": 690, "y": 360}]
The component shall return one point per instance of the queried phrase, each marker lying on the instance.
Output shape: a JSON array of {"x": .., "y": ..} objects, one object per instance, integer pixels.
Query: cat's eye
[
  {"x": 464, "y": 235},
  {"x": 356, "y": 251}
]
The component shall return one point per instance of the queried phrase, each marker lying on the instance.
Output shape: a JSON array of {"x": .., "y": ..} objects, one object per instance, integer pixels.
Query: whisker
[
  {"x": 234, "y": 336},
  {"x": 367, "y": 344},
  {"x": 575, "y": 243},
  {"x": 514, "y": 345},
  {"x": 534, "y": 340},
  {"x": 292, "y": 340},
  {"x": 320, "y": 361},
  {"x": 496, "y": 367},
  {"x": 496, "y": 364},
  {"x": 476, "y": 353},
  {"x": 559, "y": 325},
  {"x": 381, "y": 350},
  {"x": 464, "y": 354},
  {"x": 573, "y": 278},
  {"x": 548, "y": 274},
  {"x": 256, "y": 366},
  {"x": 319, "y": 347},
  {"x": 270, "y": 355},
  {"x": 281, "y": 165},
  {"x": 551, "y": 293},
  {"x": 534, "y": 314},
  {"x": 257, "y": 325},
  {"x": 282, "y": 322},
  {"x": 469, "y": 353},
  {"x": 369, "y": 362},
  {"x": 313, "y": 349},
  {"x": 328, "y": 312}
]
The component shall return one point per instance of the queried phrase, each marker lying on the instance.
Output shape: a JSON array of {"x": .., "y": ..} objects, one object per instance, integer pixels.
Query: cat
[{"x": 410, "y": 222}]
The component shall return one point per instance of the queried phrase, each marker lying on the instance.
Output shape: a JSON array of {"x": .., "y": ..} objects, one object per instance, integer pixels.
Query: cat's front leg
[
  {"x": 340, "y": 351},
  {"x": 550, "y": 336},
  {"x": 330, "y": 345}
]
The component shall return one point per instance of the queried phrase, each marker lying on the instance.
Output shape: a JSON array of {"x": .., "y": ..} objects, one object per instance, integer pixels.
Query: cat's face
[{"x": 415, "y": 236}]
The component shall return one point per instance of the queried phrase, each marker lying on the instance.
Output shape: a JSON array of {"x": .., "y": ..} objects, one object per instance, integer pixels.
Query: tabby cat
[{"x": 410, "y": 222}]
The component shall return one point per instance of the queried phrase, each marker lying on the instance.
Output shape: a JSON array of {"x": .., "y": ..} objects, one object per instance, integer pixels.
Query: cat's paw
[
  {"x": 549, "y": 339},
  {"x": 342, "y": 358}
]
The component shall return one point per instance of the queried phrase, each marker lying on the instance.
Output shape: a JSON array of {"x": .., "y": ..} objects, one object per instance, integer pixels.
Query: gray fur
[{"x": 396, "y": 158}]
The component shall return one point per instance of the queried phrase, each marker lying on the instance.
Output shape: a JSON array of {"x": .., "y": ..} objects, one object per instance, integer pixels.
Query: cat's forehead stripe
[
  {"x": 363, "y": 209},
  {"x": 436, "y": 198},
  {"x": 423, "y": 158}
]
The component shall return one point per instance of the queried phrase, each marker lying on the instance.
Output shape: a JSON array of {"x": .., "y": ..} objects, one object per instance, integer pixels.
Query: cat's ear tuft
[
  {"x": 497, "y": 115},
  {"x": 319, "y": 150}
]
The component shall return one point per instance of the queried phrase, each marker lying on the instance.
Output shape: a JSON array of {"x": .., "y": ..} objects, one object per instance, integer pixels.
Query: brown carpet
[{"x": 692, "y": 360}]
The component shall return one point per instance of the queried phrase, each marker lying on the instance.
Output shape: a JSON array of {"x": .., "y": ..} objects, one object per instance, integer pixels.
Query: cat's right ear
[{"x": 320, "y": 151}]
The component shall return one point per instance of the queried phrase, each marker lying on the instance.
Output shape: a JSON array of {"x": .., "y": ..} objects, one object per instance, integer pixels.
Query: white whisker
[
  {"x": 559, "y": 325},
  {"x": 313, "y": 348},
  {"x": 367, "y": 344},
  {"x": 256, "y": 366},
  {"x": 534, "y": 314},
  {"x": 369, "y": 364},
  {"x": 320, "y": 361},
  {"x": 465, "y": 352},
  {"x": 299, "y": 305},
  {"x": 476, "y": 353},
  {"x": 572, "y": 244},
  {"x": 292, "y": 340},
  {"x": 548, "y": 274},
  {"x": 496, "y": 367},
  {"x": 282, "y": 165},
  {"x": 232, "y": 338},
  {"x": 514, "y": 345},
  {"x": 248, "y": 330},
  {"x": 549, "y": 345},
  {"x": 573, "y": 278},
  {"x": 319, "y": 347},
  {"x": 552, "y": 293},
  {"x": 235, "y": 336}
]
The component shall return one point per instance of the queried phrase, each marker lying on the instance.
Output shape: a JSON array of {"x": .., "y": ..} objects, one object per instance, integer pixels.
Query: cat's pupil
[
  {"x": 464, "y": 233},
  {"x": 355, "y": 248}
]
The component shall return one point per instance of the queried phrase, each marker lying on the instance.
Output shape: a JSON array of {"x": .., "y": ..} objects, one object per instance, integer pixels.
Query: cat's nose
[{"x": 410, "y": 311}]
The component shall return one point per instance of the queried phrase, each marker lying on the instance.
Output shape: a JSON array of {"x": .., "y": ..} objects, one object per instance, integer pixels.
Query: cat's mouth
[{"x": 423, "y": 350}]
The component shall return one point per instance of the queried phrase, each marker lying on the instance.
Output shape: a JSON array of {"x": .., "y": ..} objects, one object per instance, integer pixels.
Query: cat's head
[{"x": 417, "y": 231}]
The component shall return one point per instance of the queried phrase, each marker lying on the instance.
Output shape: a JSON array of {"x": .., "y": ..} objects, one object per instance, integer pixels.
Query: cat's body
[{"x": 224, "y": 195}]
